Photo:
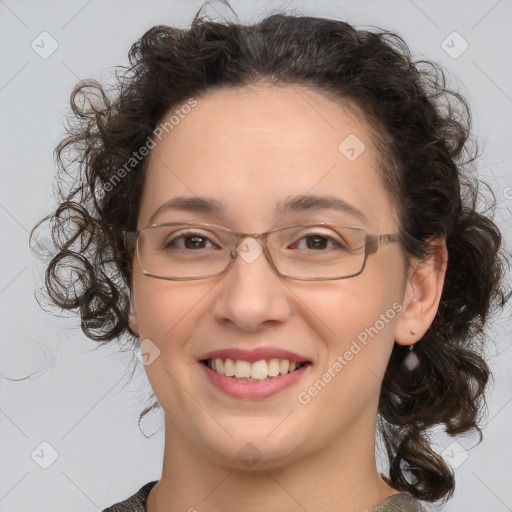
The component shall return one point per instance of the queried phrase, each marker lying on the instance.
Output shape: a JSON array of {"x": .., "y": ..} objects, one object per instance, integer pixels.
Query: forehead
[{"x": 251, "y": 148}]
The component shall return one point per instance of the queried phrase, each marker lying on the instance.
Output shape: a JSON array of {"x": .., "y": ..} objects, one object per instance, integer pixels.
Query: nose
[{"x": 252, "y": 294}]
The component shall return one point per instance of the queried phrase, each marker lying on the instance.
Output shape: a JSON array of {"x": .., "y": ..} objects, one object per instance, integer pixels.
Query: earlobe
[{"x": 422, "y": 294}]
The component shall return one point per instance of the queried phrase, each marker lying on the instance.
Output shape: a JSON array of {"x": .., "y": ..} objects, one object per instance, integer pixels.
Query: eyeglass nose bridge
[{"x": 261, "y": 239}]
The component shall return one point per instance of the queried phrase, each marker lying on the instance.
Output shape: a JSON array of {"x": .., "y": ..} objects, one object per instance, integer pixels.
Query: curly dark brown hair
[{"x": 422, "y": 130}]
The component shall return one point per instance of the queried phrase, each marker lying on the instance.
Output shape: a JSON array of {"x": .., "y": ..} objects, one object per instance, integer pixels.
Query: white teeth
[
  {"x": 259, "y": 370},
  {"x": 242, "y": 369},
  {"x": 229, "y": 367},
  {"x": 273, "y": 368}
]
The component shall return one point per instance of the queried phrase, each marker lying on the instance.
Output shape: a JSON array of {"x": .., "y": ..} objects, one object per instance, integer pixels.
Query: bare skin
[{"x": 249, "y": 148}]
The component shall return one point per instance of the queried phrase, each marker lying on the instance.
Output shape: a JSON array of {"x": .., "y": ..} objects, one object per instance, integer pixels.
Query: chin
[{"x": 255, "y": 450}]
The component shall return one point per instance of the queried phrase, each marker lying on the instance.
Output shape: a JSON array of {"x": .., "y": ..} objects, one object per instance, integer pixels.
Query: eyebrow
[
  {"x": 292, "y": 204},
  {"x": 192, "y": 204},
  {"x": 318, "y": 202}
]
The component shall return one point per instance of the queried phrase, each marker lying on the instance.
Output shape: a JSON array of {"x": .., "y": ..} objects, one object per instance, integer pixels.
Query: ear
[
  {"x": 422, "y": 294},
  {"x": 132, "y": 319}
]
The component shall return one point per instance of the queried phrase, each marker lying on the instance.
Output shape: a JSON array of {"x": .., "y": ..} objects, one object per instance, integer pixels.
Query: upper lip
[{"x": 254, "y": 355}]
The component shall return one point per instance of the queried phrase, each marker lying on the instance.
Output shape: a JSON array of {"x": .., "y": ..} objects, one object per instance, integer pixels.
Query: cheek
[
  {"x": 168, "y": 313},
  {"x": 346, "y": 307},
  {"x": 168, "y": 310},
  {"x": 357, "y": 318},
  {"x": 353, "y": 360}
]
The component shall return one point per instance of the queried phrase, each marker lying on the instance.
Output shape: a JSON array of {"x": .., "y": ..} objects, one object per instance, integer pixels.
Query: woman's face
[{"x": 250, "y": 149}]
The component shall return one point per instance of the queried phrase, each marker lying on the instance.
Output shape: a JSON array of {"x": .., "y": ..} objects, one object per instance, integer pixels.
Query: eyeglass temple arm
[
  {"x": 374, "y": 242},
  {"x": 129, "y": 240},
  {"x": 387, "y": 239}
]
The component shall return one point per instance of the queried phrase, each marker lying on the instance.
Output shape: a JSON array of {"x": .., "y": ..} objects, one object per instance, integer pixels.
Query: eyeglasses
[{"x": 309, "y": 252}]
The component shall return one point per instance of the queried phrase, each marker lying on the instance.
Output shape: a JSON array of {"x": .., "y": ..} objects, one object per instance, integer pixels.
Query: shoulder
[
  {"x": 135, "y": 503},
  {"x": 399, "y": 503}
]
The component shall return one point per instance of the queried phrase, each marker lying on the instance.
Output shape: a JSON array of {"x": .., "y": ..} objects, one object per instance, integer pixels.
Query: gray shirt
[{"x": 395, "y": 503}]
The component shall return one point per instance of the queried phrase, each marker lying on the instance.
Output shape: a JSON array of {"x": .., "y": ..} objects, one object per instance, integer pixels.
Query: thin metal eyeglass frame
[{"x": 371, "y": 245}]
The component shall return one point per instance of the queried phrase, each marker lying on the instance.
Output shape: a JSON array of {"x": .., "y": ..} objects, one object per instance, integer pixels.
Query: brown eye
[
  {"x": 188, "y": 241},
  {"x": 318, "y": 242}
]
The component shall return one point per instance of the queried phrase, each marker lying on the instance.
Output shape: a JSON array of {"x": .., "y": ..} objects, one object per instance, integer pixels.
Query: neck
[{"x": 341, "y": 477}]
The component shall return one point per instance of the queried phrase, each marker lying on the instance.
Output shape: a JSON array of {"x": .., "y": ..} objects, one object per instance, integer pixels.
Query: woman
[{"x": 283, "y": 217}]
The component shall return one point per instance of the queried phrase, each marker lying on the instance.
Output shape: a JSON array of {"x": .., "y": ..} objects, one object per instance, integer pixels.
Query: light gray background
[{"x": 80, "y": 400}]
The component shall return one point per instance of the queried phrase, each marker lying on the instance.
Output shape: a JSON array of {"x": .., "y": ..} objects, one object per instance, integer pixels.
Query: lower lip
[{"x": 251, "y": 390}]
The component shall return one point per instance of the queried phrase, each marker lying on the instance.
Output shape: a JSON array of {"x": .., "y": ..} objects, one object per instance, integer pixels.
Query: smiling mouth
[{"x": 257, "y": 371}]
